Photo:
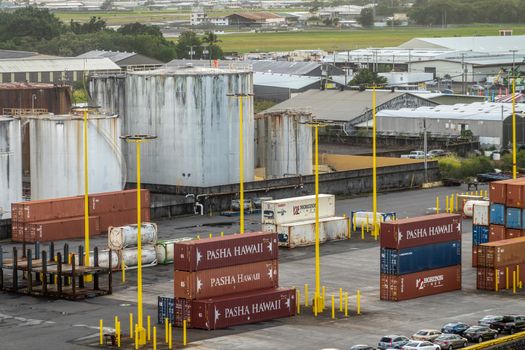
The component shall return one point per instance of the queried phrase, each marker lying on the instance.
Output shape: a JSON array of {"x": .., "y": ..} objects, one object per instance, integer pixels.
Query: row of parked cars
[{"x": 452, "y": 336}]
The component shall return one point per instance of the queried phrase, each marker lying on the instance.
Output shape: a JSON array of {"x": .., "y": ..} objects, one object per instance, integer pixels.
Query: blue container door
[
  {"x": 480, "y": 234},
  {"x": 497, "y": 214},
  {"x": 428, "y": 257},
  {"x": 514, "y": 218}
]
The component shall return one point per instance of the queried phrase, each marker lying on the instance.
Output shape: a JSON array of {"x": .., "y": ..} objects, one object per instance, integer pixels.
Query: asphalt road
[{"x": 32, "y": 323}]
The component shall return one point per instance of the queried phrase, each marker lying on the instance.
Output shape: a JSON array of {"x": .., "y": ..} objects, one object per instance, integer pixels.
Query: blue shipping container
[
  {"x": 497, "y": 214},
  {"x": 166, "y": 309},
  {"x": 480, "y": 234},
  {"x": 513, "y": 218},
  {"x": 416, "y": 259}
]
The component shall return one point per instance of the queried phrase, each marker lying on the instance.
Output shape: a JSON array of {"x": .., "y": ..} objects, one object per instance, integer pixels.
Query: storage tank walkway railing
[
  {"x": 24, "y": 111},
  {"x": 510, "y": 342}
]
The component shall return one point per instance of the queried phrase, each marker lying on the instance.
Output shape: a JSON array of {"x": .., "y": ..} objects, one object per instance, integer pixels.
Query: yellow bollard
[
  {"x": 166, "y": 330},
  {"x": 116, "y": 322},
  {"x": 476, "y": 192},
  {"x": 363, "y": 232},
  {"x": 123, "y": 269},
  {"x": 367, "y": 224},
  {"x": 518, "y": 275},
  {"x": 184, "y": 334},
  {"x": 346, "y": 304},
  {"x": 131, "y": 325},
  {"x": 451, "y": 206},
  {"x": 149, "y": 328},
  {"x": 136, "y": 337},
  {"x": 211, "y": 235},
  {"x": 315, "y": 305},
  {"x": 506, "y": 278},
  {"x": 101, "y": 331},
  {"x": 437, "y": 204},
  {"x": 456, "y": 204},
  {"x": 154, "y": 338},
  {"x": 298, "y": 299},
  {"x": 496, "y": 273},
  {"x": 446, "y": 204},
  {"x": 222, "y": 234},
  {"x": 306, "y": 295},
  {"x": 486, "y": 194},
  {"x": 354, "y": 221},
  {"x": 513, "y": 282},
  {"x": 349, "y": 231},
  {"x": 333, "y": 307},
  {"x": 118, "y": 334},
  {"x": 323, "y": 301},
  {"x": 340, "y": 299},
  {"x": 170, "y": 337},
  {"x": 358, "y": 302},
  {"x": 198, "y": 237}
]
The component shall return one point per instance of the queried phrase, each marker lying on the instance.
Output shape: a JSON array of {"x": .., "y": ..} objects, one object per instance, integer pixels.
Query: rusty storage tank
[
  {"x": 284, "y": 143},
  {"x": 22, "y": 98},
  {"x": 197, "y": 124},
  {"x": 57, "y": 158},
  {"x": 108, "y": 92},
  {"x": 10, "y": 165}
]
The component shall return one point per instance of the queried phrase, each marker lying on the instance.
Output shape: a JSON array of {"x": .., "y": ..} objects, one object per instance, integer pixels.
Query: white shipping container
[
  {"x": 300, "y": 234},
  {"x": 126, "y": 236},
  {"x": 481, "y": 213},
  {"x": 288, "y": 210},
  {"x": 468, "y": 208}
]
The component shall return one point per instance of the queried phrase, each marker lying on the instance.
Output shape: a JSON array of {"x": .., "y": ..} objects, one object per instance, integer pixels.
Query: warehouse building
[
  {"x": 488, "y": 44},
  {"x": 490, "y": 122},
  {"x": 123, "y": 59},
  {"x": 255, "y": 19},
  {"x": 280, "y": 87},
  {"x": 311, "y": 69}
]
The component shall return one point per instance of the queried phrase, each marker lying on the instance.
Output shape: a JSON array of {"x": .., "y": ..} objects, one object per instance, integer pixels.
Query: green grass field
[
  {"x": 124, "y": 17},
  {"x": 347, "y": 39}
]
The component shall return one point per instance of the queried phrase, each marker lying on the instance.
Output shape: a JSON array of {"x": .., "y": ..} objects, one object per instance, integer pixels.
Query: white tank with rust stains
[
  {"x": 57, "y": 156},
  {"x": 10, "y": 165},
  {"x": 196, "y": 122}
]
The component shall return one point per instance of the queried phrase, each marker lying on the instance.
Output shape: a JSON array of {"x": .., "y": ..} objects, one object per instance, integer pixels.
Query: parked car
[
  {"x": 509, "y": 323},
  {"x": 426, "y": 335},
  {"x": 392, "y": 342},
  {"x": 455, "y": 328},
  {"x": 477, "y": 334},
  {"x": 488, "y": 320},
  {"x": 362, "y": 347},
  {"x": 433, "y": 153},
  {"x": 450, "y": 341},
  {"x": 414, "y": 155},
  {"x": 421, "y": 345}
]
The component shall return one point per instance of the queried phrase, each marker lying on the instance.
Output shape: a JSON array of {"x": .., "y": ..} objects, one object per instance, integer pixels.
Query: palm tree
[{"x": 210, "y": 38}]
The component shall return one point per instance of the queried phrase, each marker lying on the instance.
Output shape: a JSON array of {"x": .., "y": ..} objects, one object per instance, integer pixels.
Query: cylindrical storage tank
[
  {"x": 57, "y": 156},
  {"x": 284, "y": 144},
  {"x": 126, "y": 236},
  {"x": 108, "y": 92},
  {"x": 165, "y": 249},
  {"x": 10, "y": 165},
  {"x": 130, "y": 256},
  {"x": 196, "y": 120},
  {"x": 103, "y": 259}
]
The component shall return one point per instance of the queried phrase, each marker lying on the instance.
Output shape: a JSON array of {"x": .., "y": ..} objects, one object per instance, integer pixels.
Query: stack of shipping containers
[
  {"x": 227, "y": 281},
  {"x": 63, "y": 218},
  {"x": 480, "y": 227},
  {"x": 420, "y": 256},
  {"x": 293, "y": 219}
]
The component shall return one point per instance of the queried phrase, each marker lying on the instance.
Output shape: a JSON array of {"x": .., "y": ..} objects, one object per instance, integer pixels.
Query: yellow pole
[
  {"x": 118, "y": 334},
  {"x": 446, "y": 204},
  {"x": 136, "y": 336},
  {"x": 340, "y": 299},
  {"x": 141, "y": 331},
  {"x": 315, "y": 306},
  {"x": 456, "y": 206},
  {"x": 451, "y": 206},
  {"x": 87, "y": 278},
  {"x": 306, "y": 295},
  {"x": 333, "y": 307},
  {"x": 131, "y": 325},
  {"x": 374, "y": 162},
  {"x": 496, "y": 280},
  {"x": 362, "y": 231},
  {"x": 149, "y": 328},
  {"x": 298, "y": 302},
  {"x": 123, "y": 268},
  {"x": 514, "y": 282},
  {"x": 166, "y": 330},
  {"x": 358, "y": 302},
  {"x": 346, "y": 304},
  {"x": 323, "y": 300},
  {"x": 241, "y": 164},
  {"x": 349, "y": 233},
  {"x": 116, "y": 322},
  {"x": 211, "y": 235},
  {"x": 222, "y": 234},
  {"x": 317, "y": 256},
  {"x": 437, "y": 204},
  {"x": 170, "y": 337},
  {"x": 184, "y": 334},
  {"x": 101, "y": 332},
  {"x": 506, "y": 278},
  {"x": 154, "y": 338},
  {"x": 355, "y": 222},
  {"x": 514, "y": 172},
  {"x": 518, "y": 275}
]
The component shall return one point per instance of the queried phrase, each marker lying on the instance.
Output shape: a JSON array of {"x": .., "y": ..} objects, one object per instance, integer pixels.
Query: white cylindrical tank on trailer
[
  {"x": 10, "y": 165},
  {"x": 126, "y": 236},
  {"x": 164, "y": 249},
  {"x": 130, "y": 256},
  {"x": 57, "y": 156},
  {"x": 196, "y": 119}
]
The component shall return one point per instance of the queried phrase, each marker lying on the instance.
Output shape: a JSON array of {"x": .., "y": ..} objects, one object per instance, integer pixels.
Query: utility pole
[
  {"x": 514, "y": 128},
  {"x": 463, "y": 73},
  {"x": 425, "y": 147},
  {"x": 374, "y": 163},
  {"x": 409, "y": 60}
]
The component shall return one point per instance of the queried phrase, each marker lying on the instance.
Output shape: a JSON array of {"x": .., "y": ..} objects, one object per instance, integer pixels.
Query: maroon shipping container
[
  {"x": 50, "y": 209},
  {"x": 515, "y": 193},
  {"x": 498, "y": 191},
  {"x": 512, "y": 233},
  {"x": 474, "y": 256},
  {"x": 17, "y": 231},
  {"x": 241, "y": 309},
  {"x": 422, "y": 230},
  {"x": 17, "y": 211},
  {"x": 56, "y": 230},
  {"x": 502, "y": 253},
  {"x": 122, "y": 218},
  {"x": 497, "y": 233},
  {"x": 108, "y": 202},
  {"x": 226, "y": 280},
  {"x": 420, "y": 284},
  {"x": 225, "y": 251},
  {"x": 486, "y": 276}
]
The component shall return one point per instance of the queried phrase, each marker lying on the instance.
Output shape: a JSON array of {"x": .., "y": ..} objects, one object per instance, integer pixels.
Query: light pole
[
  {"x": 374, "y": 163},
  {"x": 241, "y": 96},
  {"x": 191, "y": 52},
  {"x": 514, "y": 172},
  {"x": 138, "y": 140}
]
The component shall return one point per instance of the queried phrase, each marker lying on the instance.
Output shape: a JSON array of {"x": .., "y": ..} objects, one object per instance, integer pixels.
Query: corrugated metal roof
[
  {"x": 115, "y": 56},
  {"x": 288, "y": 81},
  {"x": 7, "y": 54},
  {"x": 191, "y": 71},
  {"x": 62, "y": 64},
  {"x": 25, "y": 86},
  {"x": 474, "y": 43},
  {"x": 334, "y": 104},
  {"x": 284, "y": 67},
  {"x": 465, "y": 111},
  {"x": 255, "y": 16}
]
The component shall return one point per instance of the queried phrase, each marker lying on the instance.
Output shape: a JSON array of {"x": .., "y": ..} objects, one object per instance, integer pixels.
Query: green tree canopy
[
  {"x": 30, "y": 22},
  {"x": 366, "y": 77},
  {"x": 366, "y": 19}
]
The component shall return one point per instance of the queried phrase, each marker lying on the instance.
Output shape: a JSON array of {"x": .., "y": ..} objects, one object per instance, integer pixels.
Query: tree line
[{"x": 36, "y": 29}]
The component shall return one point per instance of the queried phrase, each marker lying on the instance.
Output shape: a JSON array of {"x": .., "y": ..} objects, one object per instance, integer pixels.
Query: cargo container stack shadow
[
  {"x": 420, "y": 256},
  {"x": 227, "y": 281}
]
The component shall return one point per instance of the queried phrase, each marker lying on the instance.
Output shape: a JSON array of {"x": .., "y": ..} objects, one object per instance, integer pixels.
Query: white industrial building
[
  {"x": 488, "y": 44},
  {"x": 491, "y": 122}
]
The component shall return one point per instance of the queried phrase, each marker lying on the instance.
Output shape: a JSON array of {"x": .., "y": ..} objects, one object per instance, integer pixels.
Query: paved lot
[{"x": 30, "y": 323}]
